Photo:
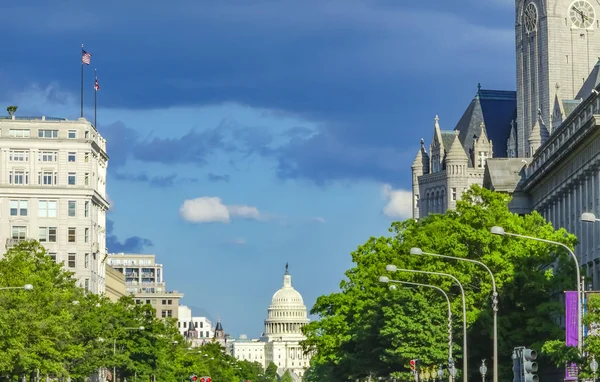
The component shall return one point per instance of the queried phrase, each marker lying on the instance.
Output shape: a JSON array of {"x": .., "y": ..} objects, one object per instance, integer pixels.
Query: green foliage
[
  {"x": 11, "y": 110},
  {"x": 368, "y": 329},
  {"x": 287, "y": 377},
  {"x": 58, "y": 330}
]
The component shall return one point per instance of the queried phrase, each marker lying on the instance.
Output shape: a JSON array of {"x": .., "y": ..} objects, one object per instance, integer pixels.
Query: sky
[{"x": 244, "y": 134}]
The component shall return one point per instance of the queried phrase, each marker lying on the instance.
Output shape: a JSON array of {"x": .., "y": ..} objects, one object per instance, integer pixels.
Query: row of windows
[
  {"x": 45, "y": 178},
  {"x": 44, "y": 156},
  {"x": 47, "y": 208},
  {"x": 49, "y": 234},
  {"x": 72, "y": 259},
  {"x": 43, "y": 133}
]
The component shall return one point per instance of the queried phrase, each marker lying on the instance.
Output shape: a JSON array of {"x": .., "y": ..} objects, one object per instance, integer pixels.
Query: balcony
[{"x": 11, "y": 242}]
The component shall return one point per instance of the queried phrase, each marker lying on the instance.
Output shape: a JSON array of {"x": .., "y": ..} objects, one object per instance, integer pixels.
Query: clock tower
[{"x": 557, "y": 46}]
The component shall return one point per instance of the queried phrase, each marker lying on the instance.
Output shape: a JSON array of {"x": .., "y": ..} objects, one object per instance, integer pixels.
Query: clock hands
[{"x": 584, "y": 17}]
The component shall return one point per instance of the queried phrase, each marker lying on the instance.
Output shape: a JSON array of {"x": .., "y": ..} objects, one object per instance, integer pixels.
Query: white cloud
[
  {"x": 318, "y": 219},
  {"x": 210, "y": 209},
  {"x": 238, "y": 241},
  {"x": 399, "y": 202}
]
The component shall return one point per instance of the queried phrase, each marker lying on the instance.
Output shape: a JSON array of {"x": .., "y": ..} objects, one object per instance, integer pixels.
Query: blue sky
[{"x": 245, "y": 134}]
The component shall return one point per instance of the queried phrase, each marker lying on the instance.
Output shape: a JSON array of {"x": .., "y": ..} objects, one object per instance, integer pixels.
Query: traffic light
[
  {"x": 530, "y": 367},
  {"x": 413, "y": 365},
  {"x": 202, "y": 379},
  {"x": 193, "y": 378}
]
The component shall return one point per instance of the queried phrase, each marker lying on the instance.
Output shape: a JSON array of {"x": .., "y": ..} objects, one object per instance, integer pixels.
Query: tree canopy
[
  {"x": 367, "y": 329},
  {"x": 58, "y": 330}
]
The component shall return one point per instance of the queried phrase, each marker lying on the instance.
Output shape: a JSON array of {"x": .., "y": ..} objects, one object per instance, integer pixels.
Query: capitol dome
[{"x": 287, "y": 312}]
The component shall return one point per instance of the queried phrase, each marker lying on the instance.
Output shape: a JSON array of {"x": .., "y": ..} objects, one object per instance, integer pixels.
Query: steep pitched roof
[
  {"x": 447, "y": 138},
  {"x": 496, "y": 109},
  {"x": 504, "y": 174},
  {"x": 590, "y": 83},
  {"x": 456, "y": 151}
]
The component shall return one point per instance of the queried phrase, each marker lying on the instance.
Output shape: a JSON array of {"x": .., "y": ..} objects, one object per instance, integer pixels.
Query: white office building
[
  {"x": 202, "y": 325},
  {"x": 53, "y": 189}
]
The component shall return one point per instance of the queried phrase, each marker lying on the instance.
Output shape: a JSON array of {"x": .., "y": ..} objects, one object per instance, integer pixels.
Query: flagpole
[
  {"x": 81, "y": 81},
  {"x": 95, "y": 96}
]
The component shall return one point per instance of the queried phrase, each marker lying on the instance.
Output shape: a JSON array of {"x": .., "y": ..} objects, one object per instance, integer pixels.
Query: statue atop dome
[{"x": 287, "y": 272}]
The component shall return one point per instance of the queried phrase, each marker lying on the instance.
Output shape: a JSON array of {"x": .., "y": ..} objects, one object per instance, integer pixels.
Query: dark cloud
[
  {"x": 217, "y": 178},
  {"x": 134, "y": 244},
  {"x": 372, "y": 74},
  {"x": 154, "y": 181}
]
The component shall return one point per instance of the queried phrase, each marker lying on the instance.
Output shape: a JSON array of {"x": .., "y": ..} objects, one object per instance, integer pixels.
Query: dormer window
[{"x": 483, "y": 155}]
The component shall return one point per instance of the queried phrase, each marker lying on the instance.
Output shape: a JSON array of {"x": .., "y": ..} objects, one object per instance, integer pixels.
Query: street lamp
[
  {"x": 483, "y": 370},
  {"x": 418, "y": 251},
  {"x": 25, "y": 287},
  {"x": 393, "y": 268},
  {"x": 589, "y": 217},
  {"x": 594, "y": 366},
  {"x": 500, "y": 231},
  {"x": 440, "y": 372},
  {"x": 385, "y": 279}
]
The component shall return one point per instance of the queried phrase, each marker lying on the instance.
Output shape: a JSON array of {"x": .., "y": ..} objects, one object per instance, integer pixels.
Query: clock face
[
  {"x": 582, "y": 14},
  {"x": 531, "y": 17}
]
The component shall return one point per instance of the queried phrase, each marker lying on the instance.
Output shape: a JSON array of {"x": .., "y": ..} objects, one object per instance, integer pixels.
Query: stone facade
[
  {"x": 115, "y": 284},
  {"x": 53, "y": 189},
  {"x": 457, "y": 157}
]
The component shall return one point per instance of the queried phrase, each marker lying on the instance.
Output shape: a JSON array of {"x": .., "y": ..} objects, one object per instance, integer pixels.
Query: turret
[
  {"x": 420, "y": 167},
  {"x": 538, "y": 136},
  {"x": 511, "y": 143},
  {"x": 437, "y": 147},
  {"x": 457, "y": 163}
]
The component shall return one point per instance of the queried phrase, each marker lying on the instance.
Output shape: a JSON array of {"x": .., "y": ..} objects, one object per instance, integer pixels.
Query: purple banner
[{"x": 571, "y": 316}]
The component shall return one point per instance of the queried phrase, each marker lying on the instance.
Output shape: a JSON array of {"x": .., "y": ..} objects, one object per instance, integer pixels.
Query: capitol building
[{"x": 280, "y": 343}]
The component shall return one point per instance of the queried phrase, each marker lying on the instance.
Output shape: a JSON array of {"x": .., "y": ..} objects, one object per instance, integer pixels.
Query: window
[
  {"x": 87, "y": 235},
  {"x": 72, "y": 234},
  {"x": 169, "y": 302},
  {"x": 86, "y": 157},
  {"x": 482, "y": 158},
  {"x": 18, "y": 207},
  {"x": 72, "y": 208},
  {"x": 71, "y": 178},
  {"x": 71, "y": 260},
  {"x": 86, "y": 259},
  {"x": 18, "y": 156},
  {"x": 18, "y": 177},
  {"x": 86, "y": 210},
  {"x": 164, "y": 313},
  {"x": 87, "y": 179},
  {"x": 47, "y": 178},
  {"x": 52, "y": 256},
  {"x": 453, "y": 193},
  {"x": 19, "y": 133},
  {"x": 47, "y": 208},
  {"x": 19, "y": 232},
  {"x": 164, "y": 302},
  {"x": 87, "y": 285},
  {"x": 47, "y": 234},
  {"x": 47, "y": 133},
  {"x": 48, "y": 156},
  {"x": 87, "y": 135},
  {"x": 72, "y": 134},
  {"x": 71, "y": 156}
]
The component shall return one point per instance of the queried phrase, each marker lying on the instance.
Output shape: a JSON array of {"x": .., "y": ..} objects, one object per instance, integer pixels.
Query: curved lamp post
[
  {"x": 26, "y": 287},
  {"x": 418, "y": 251},
  {"x": 500, "y": 231},
  {"x": 385, "y": 279},
  {"x": 393, "y": 268}
]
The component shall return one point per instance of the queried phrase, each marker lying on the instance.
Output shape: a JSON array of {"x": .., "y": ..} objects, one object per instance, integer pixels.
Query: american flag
[
  {"x": 85, "y": 57},
  {"x": 97, "y": 85}
]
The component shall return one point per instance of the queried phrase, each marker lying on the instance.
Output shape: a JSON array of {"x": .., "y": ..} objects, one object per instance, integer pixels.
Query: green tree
[
  {"x": 367, "y": 329},
  {"x": 270, "y": 374},
  {"x": 286, "y": 377}
]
